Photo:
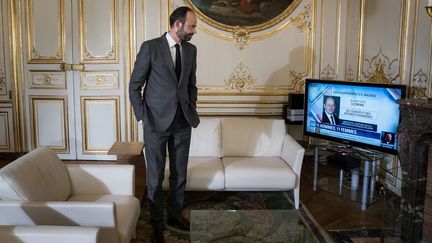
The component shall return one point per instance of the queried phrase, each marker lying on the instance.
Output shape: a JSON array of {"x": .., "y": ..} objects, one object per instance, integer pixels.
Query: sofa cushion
[
  {"x": 204, "y": 173},
  {"x": 258, "y": 173},
  {"x": 206, "y": 139},
  {"x": 252, "y": 137},
  {"x": 37, "y": 176}
]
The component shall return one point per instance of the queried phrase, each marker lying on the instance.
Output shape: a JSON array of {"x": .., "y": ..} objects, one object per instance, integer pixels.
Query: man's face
[
  {"x": 388, "y": 137},
  {"x": 188, "y": 28},
  {"x": 329, "y": 106}
]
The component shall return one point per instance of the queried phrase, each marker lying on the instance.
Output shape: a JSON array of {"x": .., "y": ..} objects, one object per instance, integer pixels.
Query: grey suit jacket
[{"x": 154, "y": 69}]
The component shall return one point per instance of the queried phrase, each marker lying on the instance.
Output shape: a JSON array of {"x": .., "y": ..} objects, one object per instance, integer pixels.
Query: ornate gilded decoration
[
  {"x": 379, "y": 76},
  {"x": 99, "y": 80},
  {"x": 328, "y": 73},
  {"x": 350, "y": 74},
  {"x": 47, "y": 80},
  {"x": 241, "y": 37},
  {"x": 380, "y": 69},
  {"x": 241, "y": 79},
  {"x": 298, "y": 81},
  {"x": 419, "y": 85},
  {"x": 302, "y": 21},
  {"x": 2, "y": 83},
  {"x": 35, "y": 53},
  {"x": 89, "y": 54}
]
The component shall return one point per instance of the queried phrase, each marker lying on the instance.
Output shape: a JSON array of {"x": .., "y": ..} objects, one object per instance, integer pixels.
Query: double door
[{"x": 74, "y": 89}]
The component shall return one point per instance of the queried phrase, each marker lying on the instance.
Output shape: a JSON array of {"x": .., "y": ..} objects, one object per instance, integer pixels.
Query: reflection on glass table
[
  {"x": 414, "y": 214},
  {"x": 361, "y": 164},
  {"x": 248, "y": 226},
  {"x": 408, "y": 203}
]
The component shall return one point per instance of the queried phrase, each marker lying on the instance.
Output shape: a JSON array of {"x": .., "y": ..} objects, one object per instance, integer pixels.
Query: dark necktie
[
  {"x": 332, "y": 120},
  {"x": 178, "y": 61}
]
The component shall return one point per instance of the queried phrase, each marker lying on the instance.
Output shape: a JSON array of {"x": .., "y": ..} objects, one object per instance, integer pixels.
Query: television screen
[{"x": 362, "y": 114}]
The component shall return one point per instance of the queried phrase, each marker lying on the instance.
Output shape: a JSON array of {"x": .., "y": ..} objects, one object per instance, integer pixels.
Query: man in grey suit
[{"x": 165, "y": 67}]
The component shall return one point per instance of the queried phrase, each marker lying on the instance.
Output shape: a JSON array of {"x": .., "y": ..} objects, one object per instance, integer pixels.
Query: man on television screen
[
  {"x": 329, "y": 115},
  {"x": 388, "y": 138}
]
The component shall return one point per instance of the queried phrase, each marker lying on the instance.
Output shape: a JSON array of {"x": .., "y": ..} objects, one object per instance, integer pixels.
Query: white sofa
[
  {"x": 243, "y": 154},
  {"x": 38, "y": 189}
]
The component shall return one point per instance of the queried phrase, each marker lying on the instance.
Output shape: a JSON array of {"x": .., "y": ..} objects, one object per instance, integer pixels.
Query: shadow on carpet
[{"x": 232, "y": 201}]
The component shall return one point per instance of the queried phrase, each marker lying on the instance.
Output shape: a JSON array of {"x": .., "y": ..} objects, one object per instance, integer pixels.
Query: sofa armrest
[
  {"x": 102, "y": 179},
  {"x": 293, "y": 153},
  {"x": 46, "y": 233},
  {"x": 99, "y": 214}
]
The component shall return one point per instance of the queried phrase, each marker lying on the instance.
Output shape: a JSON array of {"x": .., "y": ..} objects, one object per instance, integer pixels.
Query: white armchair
[
  {"x": 47, "y": 234},
  {"x": 38, "y": 189}
]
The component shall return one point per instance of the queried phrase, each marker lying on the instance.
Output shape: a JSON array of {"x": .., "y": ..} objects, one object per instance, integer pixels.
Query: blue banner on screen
[{"x": 361, "y": 113}]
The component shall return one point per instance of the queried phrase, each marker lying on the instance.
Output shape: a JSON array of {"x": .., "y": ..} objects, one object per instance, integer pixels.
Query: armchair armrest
[
  {"x": 293, "y": 153},
  {"x": 45, "y": 233},
  {"x": 100, "y": 214},
  {"x": 102, "y": 179}
]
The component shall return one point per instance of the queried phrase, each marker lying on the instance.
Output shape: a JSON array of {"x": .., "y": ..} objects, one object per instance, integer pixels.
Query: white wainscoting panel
[
  {"x": 6, "y": 130},
  {"x": 100, "y": 121},
  {"x": 49, "y": 122}
]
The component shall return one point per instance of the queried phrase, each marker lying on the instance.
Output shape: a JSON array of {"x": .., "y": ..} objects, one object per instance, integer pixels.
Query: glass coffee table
[{"x": 248, "y": 226}]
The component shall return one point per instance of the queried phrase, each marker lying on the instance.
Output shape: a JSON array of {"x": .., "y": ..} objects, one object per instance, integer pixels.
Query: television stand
[{"x": 346, "y": 157}]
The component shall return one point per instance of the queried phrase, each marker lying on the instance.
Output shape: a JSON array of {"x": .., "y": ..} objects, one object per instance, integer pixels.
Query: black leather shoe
[
  {"x": 180, "y": 223},
  {"x": 158, "y": 236}
]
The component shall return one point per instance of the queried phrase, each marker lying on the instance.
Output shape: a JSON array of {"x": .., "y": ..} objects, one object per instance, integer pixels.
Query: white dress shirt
[
  {"x": 331, "y": 118},
  {"x": 171, "y": 44}
]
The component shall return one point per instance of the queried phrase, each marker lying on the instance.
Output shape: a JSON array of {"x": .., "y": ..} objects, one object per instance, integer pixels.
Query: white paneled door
[{"x": 74, "y": 89}]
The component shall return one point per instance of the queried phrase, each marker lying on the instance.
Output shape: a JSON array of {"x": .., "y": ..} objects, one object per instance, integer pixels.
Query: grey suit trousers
[{"x": 177, "y": 137}]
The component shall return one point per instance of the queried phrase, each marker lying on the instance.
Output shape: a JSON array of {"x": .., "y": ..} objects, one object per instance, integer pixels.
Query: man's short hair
[
  {"x": 328, "y": 98},
  {"x": 179, "y": 14}
]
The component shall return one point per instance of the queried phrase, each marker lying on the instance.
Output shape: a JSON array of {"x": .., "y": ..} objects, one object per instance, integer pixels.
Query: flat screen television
[{"x": 365, "y": 115}]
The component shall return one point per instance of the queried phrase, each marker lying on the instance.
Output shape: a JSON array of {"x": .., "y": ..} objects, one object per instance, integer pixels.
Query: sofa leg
[{"x": 297, "y": 197}]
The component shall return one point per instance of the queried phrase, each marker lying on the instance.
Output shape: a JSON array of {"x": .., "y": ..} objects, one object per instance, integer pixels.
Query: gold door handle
[
  {"x": 65, "y": 67},
  {"x": 78, "y": 67},
  {"x": 70, "y": 67}
]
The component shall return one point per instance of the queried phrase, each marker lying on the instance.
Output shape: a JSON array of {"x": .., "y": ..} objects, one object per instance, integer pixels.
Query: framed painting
[{"x": 254, "y": 15}]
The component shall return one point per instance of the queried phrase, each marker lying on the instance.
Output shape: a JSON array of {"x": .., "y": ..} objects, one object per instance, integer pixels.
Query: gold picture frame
[{"x": 252, "y": 15}]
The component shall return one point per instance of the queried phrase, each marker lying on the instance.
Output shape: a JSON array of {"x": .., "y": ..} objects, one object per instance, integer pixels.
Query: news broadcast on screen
[{"x": 361, "y": 113}]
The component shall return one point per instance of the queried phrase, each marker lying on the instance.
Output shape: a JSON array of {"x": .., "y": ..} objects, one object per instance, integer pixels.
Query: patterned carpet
[{"x": 237, "y": 201}]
